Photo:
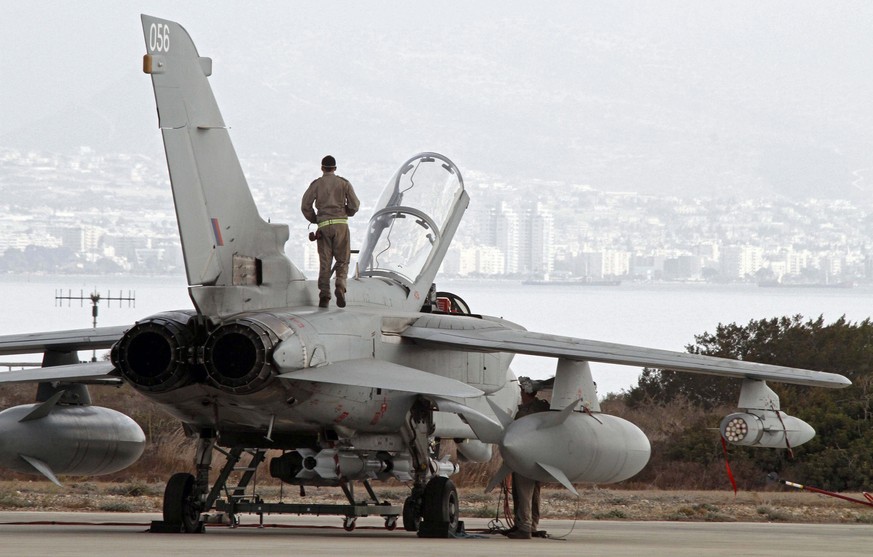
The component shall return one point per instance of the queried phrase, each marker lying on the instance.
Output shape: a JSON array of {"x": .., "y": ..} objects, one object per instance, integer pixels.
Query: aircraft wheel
[
  {"x": 411, "y": 513},
  {"x": 180, "y": 505},
  {"x": 441, "y": 504}
]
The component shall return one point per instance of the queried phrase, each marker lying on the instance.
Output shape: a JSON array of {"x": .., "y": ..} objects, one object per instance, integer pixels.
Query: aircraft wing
[
  {"x": 61, "y": 341},
  {"x": 500, "y": 339},
  {"x": 379, "y": 374},
  {"x": 89, "y": 372}
]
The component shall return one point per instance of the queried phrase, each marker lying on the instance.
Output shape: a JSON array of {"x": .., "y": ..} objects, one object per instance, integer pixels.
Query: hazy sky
[{"x": 644, "y": 96}]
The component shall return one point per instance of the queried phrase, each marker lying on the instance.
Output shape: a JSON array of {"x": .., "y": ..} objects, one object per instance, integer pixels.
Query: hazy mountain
[{"x": 667, "y": 97}]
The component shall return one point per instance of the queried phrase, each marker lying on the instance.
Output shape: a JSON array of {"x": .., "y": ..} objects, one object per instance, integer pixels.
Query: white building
[
  {"x": 536, "y": 241},
  {"x": 503, "y": 233},
  {"x": 605, "y": 263},
  {"x": 741, "y": 261},
  {"x": 481, "y": 260}
]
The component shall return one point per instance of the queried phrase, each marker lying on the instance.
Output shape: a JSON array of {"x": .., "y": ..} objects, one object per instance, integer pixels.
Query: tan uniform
[
  {"x": 525, "y": 491},
  {"x": 333, "y": 198}
]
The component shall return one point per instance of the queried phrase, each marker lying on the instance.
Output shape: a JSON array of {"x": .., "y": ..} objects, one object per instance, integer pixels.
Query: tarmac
[{"x": 90, "y": 534}]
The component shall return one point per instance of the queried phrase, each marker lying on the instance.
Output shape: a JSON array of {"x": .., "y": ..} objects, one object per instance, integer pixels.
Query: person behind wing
[{"x": 525, "y": 491}]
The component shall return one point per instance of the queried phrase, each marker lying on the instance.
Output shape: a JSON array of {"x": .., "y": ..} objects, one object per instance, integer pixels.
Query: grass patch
[
  {"x": 133, "y": 489},
  {"x": 614, "y": 514},
  {"x": 700, "y": 511},
  {"x": 773, "y": 515},
  {"x": 84, "y": 487},
  {"x": 13, "y": 501},
  {"x": 116, "y": 507}
]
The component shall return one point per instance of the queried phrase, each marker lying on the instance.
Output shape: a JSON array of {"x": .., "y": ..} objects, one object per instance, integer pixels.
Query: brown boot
[
  {"x": 519, "y": 535},
  {"x": 323, "y": 301},
  {"x": 340, "y": 298}
]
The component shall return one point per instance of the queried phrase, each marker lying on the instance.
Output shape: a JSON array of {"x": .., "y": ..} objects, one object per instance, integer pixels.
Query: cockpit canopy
[{"x": 414, "y": 221}]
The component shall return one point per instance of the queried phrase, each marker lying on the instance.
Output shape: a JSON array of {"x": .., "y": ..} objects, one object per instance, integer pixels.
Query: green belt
[{"x": 333, "y": 221}]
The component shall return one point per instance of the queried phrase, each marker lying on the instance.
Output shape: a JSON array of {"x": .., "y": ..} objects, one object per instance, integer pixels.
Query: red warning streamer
[{"x": 727, "y": 465}]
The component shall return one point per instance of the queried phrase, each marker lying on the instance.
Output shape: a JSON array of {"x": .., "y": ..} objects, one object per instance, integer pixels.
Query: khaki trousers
[
  {"x": 333, "y": 245},
  {"x": 526, "y": 500}
]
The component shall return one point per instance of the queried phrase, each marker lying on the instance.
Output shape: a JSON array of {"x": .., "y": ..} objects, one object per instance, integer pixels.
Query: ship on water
[
  {"x": 823, "y": 284},
  {"x": 571, "y": 281}
]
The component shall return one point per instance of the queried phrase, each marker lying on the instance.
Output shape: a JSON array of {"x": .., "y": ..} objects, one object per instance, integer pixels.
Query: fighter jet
[{"x": 339, "y": 396}]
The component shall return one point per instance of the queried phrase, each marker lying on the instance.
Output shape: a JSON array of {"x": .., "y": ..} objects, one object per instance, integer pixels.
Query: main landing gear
[
  {"x": 188, "y": 497},
  {"x": 434, "y": 511},
  {"x": 431, "y": 510},
  {"x": 181, "y": 507}
]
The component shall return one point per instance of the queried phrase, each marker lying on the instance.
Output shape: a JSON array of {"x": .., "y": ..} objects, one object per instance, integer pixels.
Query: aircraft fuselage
[{"x": 227, "y": 377}]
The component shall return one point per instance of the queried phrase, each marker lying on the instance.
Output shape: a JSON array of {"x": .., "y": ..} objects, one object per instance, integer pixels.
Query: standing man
[
  {"x": 335, "y": 201},
  {"x": 526, "y": 491}
]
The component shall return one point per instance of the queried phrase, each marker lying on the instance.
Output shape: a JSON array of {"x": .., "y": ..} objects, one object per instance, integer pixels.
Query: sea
[{"x": 655, "y": 315}]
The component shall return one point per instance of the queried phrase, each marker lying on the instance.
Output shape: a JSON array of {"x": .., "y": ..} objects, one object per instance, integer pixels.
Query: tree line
[{"x": 839, "y": 458}]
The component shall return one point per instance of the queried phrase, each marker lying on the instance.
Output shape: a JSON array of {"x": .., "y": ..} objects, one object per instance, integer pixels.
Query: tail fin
[{"x": 229, "y": 250}]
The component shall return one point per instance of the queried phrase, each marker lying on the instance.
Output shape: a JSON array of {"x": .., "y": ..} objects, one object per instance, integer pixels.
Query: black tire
[
  {"x": 441, "y": 504},
  {"x": 411, "y": 514},
  {"x": 179, "y": 503}
]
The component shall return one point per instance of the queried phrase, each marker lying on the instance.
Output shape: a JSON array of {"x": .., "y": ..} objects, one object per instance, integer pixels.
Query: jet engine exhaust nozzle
[
  {"x": 154, "y": 354},
  {"x": 237, "y": 356}
]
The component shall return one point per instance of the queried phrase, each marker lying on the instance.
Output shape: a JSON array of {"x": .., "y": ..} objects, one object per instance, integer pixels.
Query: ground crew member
[
  {"x": 335, "y": 201},
  {"x": 526, "y": 491}
]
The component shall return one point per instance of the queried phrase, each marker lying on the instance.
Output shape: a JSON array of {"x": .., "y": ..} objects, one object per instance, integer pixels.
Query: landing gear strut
[
  {"x": 432, "y": 508},
  {"x": 188, "y": 497},
  {"x": 412, "y": 510}
]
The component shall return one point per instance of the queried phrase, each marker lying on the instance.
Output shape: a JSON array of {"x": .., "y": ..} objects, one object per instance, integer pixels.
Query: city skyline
[{"x": 115, "y": 213}]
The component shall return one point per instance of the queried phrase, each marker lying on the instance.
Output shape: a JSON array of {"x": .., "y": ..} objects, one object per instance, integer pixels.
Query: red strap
[{"x": 727, "y": 465}]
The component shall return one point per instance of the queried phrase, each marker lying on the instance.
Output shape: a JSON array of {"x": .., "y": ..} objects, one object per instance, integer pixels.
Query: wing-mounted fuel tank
[
  {"x": 53, "y": 438},
  {"x": 577, "y": 444},
  {"x": 571, "y": 447}
]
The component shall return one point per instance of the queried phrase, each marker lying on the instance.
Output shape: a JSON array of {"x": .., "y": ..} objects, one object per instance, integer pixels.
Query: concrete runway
[{"x": 30, "y": 533}]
